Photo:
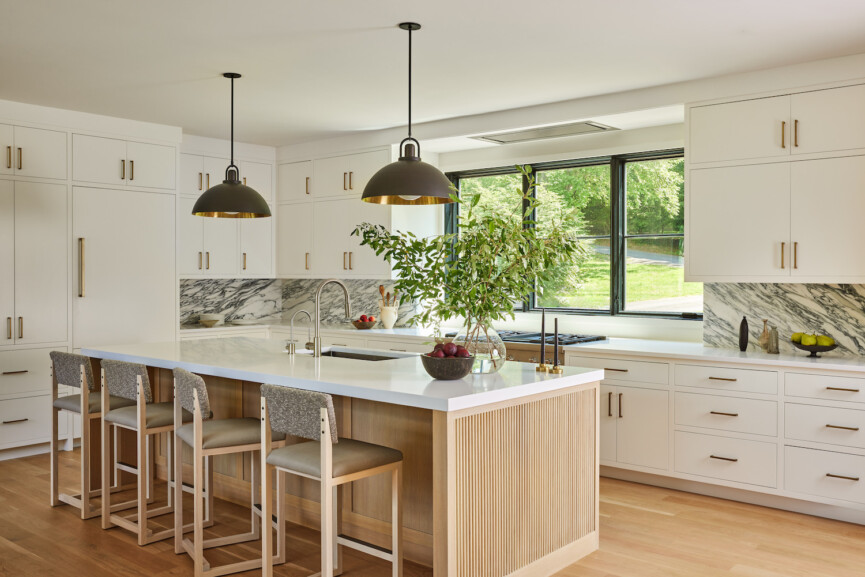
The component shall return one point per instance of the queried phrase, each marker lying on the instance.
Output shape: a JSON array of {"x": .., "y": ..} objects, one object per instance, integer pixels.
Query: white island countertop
[{"x": 401, "y": 380}]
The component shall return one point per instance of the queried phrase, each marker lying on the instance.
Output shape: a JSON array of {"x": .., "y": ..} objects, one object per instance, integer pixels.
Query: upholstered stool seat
[
  {"x": 72, "y": 403},
  {"x": 158, "y": 415},
  {"x": 216, "y": 434},
  {"x": 349, "y": 456}
]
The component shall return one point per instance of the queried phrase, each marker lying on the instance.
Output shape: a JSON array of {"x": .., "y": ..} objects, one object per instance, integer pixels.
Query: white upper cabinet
[
  {"x": 7, "y": 144},
  {"x": 335, "y": 251},
  {"x": 121, "y": 163},
  {"x": 294, "y": 239},
  {"x": 256, "y": 246},
  {"x": 221, "y": 252},
  {"x": 738, "y": 223},
  {"x": 347, "y": 174},
  {"x": 190, "y": 239},
  {"x": 33, "y": 152},
  {"x": 191, "y": 175},
  {"x": 740, "y": 130},
  {"x": 295, "y": 181},
  {"x": 362, "y": 259},
  {"x": 363, "y": 166},
  {"x": 828, "y": 120},
  {"x": 258, "y": 176},
  {"x": 214, "y": 170}
]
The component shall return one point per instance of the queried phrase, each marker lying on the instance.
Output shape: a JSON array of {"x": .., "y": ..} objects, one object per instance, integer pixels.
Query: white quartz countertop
[
  {"x": 699, "y": 352},
  {"x": 400, "y": 381},
  {"x": 300, "y": 327}
]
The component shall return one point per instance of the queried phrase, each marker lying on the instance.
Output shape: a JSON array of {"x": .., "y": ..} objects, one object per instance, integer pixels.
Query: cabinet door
[
  {"x": 362, "y": 166},
  {"x": 96, "y": 159},
  {"x": 330, "y": 240},
  {"x": 331, "y": 176},
  {"x": 214, "y": 170},
  {"x": 151, "y": 165},
  {"x": 827, "y": 205},
  {"x": 40, "y": 153},
  {"x": 7, "y": 146},
  {"x": 295, "y": 181},
  {"x": 757, "y": 128},
  {"x": 258, "y": 176},
  {"x": 190, "y": 235},
  {"x": 7, "y": 261},
  {"x": 191, "y": 175},
  {"x": 220, "y": 246},
  {"x": 642, "y": 430},
  {"x": 129, "y": 270},
  {"x": 362, "y": 259},
  {"x": 828, "y": 120},
  {"x": 738, "y": 219},
  {"x": 256, "y": 246},
  {"x": 294, "y": 251},
  {"x": 40, "y": 263},
  {"x": 609, "y": 418}
]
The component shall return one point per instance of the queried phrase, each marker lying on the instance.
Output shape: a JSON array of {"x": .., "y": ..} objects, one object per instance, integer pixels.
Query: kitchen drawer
[
  {"x": 830, "y": 388},
  {"x": 400, "y": 346},
  {"x": 25, "y": 421},
  {"x": 342, "y": 341},
  {"x": 623, "y": 370},
  {"x": 823, "y": 473},
  {"x": 255, "y": 334},
  {"x": 727, "y": 379},
  {"x": 751, "y": 462},
  {"x": 727, "y": 413},
  {"x": 825, "y": 425},
  {"x": 27, "y": 371}
]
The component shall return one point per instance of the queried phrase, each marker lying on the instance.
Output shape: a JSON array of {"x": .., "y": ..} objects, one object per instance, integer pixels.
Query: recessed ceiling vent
[{"x": 558, "y": 131}]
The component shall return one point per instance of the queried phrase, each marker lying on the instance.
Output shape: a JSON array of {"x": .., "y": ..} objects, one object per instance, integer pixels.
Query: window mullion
[{"x": 617, "y": 235}]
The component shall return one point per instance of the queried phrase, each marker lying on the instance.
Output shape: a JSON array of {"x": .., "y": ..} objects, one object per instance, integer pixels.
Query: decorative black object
[
  {"x": 814, "y": 349},
  {"x": 543, "y": 336},
  {"x": 408, "y": 180},
  {"x": 232, "y": 198},
  {"x": 556, "y": 343},
  {"x": 743, "y": 334},
  {"x": 447, "y": 368}
]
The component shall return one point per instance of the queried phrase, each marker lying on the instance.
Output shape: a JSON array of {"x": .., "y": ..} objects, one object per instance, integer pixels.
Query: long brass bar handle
[
  {"x": 343, "y": 261},
  {"x": 24, "y": 372},
  {"x": 200, "y": 258},
  {"x": 843, "y": 428},
  {"x": 244, "y": 261},
  {"x": 208, "y": 260},
  {"x": 9, "y": 328},
  {"x": 621, "y": 396},
  {"x": 306, "y": 261},
  {"x": 208, "y": 181},
  {"x": 610, "y": 404},
  {"x": 723, "y": 379},
  {"x": 350, "y": 266},
  {"x": 20, "y": 158},
  {"x": 842, "y": 477},
  {"x": 795, "y": 255},
  {"x": 783, "y": 134},
  {"x": 200, "y": 180},
  {"x": 15, "y": 421},
  {"x": 783, "y": 250},
  {"x": 344, "y": 175},
  {"x": 81, "y": 267},
  {"x": 724, "y": 414},
  {"x": 842, "y": 389},
  {"x": 122, "y": 170},
  {"x": 131, "y": 170},
  {"x": 796, "y": 133},
  {"x": 616, "y": 370},
  {"x": 307, "y": 185},
  {"x": 8, "y": 157},
  {"x": 20, "y": 327},
  {"x": 350, "y": 185},
  {"x": 724, "y": 458}
]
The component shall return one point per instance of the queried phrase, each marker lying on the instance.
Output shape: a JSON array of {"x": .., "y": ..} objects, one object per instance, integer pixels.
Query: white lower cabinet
[
  {"x": 725, "y": 458},
  {"x": 25, "y": 421},
  {"x": 752, "y": 416},
  {"x": 825, "y": 474},
  {"x": 25, "y": 371},
  {"x": 337, "y": 340},
  {"x": 634, "y": 426},
  {"x": 830, "y": 425},
  {"x": 399, "y": 346}
]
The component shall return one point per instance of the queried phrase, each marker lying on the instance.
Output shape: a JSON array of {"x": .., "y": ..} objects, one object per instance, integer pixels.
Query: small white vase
[{"x": 388, "y": 316}]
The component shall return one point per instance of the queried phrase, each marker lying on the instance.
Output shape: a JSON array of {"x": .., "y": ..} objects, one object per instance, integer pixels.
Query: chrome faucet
[
  {"x": 291, "y": 345},
  {"x": 317, "y": 340}
]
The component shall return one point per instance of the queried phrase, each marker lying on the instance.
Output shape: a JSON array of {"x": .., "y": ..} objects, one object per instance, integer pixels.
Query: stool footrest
[{"x": 365, "y": 547}]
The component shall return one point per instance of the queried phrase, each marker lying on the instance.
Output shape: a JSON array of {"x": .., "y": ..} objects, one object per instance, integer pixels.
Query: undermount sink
[{"x": 355, "y": 355}]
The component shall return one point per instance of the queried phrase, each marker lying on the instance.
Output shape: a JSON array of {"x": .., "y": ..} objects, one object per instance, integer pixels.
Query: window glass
[
  {"x": 655, "y": 192},
  {"x": 590, "y": 289},
  {"x": 579, "y": 196},
  {"x": 500, "y": 194}
]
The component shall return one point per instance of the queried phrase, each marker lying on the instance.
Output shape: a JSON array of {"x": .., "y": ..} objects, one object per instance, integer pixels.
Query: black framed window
[{"x": 629, "y": 212}]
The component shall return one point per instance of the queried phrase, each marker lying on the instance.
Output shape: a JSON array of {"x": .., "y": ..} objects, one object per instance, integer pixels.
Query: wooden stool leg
[
  {"x": 266, "y": 516},
  {"x": 208, "y": 517},
  {"x": 396, "y": 520},
  {"x": 198, "y": 530},
  {"x": 337, "y": 548},
  {"x": 116, "y": 452},
  {"x": 280, "y": 515},
  {"x": 178, "y": 495},
  {"x": 255, "y": 492},
  {"x": 107, "y": 465},
  {"x": 326, "y": 528},
  {"x": 142, "y": 485},
  {"x": 55, "y": 465},
  {"x": 169, "y": 473}
]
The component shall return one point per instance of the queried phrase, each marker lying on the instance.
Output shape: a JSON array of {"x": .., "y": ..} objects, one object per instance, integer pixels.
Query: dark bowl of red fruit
[
  {"x": 364, "y": 322},
  {"x": 448, "y": 362}
]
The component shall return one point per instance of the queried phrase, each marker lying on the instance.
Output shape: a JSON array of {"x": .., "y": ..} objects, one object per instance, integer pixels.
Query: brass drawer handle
[
  {"x": 81, "y": 267},
  {"x": 842, "y": 389},
  {"x": 20, "y": 158},
  {"x": 610, "y": 404},
  {"x": 621, "y": 397},
  {"x": 724, "y": 414},
  {"x": 200, "y": 180},
  {"x": 200, "y": 259},
  {"x": 344, "y": 176},
  {"x": 723, "y": 379},
  {"x": 208, "y": 181},
  {"x": 338, "y": 345},
  {"x": 208, "y": 259},
  {"x": 845, "y": 477},
  {"x": 399, "y": 350},
  {"x": 616, "y": 370},
  {"x": 244, "y": 261},
  {"x": 350, "y": 186},
  {"x": 307, "y": 185},
  {"x": 783, "y": 250},
  {"x": 15, "y": 421},
  {"x": 5, "y": 373},
  {"x": 8, "y": 157},
  {"x": 20, "y": 327},
  {"x": 783, "y": 134},
  {"x": 350, "y": 266},
  {"x": 343, "y": 261},
  {"x": 795, "y": 255},
  {"x": 843, "y": 428},
  {"x": 724, "y": 458},
  {"x": 131, "y": 170},
  {"x": 122, "y": 170},
  {"x": 306, "y": 262},
  {"x": 9, "y": 328},
  {"x": 796, "y": 133},
  {"x": 244, "y": 181}
]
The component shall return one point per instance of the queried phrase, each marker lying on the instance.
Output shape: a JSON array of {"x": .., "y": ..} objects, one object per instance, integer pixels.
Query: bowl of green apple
[{"x": 813, "y": 343}]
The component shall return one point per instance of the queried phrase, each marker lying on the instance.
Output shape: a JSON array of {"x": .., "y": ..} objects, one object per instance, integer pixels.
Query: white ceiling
[{"x": 314, "y": 69}]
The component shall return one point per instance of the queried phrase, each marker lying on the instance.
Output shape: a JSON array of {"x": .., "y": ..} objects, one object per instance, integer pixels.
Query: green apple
[
  {"x": 796, "y": 338},
  {"x": 825, "y": 341},
  {"x": 808, "y": 340}
]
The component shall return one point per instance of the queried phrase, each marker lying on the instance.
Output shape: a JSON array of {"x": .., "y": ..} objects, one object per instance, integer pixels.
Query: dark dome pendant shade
[
  {"x": 409, "y": 180},
  {"x": 232, "y": 198}
]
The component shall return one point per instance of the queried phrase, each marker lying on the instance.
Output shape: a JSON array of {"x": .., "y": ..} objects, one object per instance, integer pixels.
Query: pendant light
[
  {"x": 408, "y": 180},
  {"x": 232, "y": 198}
]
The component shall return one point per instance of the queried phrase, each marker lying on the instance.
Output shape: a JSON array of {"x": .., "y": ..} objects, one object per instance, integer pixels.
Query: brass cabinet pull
[
  {"x": 840, "y": 427},
  {"x": 8, "y": 157},
  {"x": 795, "y": 255},
  {"x": 724, "y": 414},
  {"x": 350, "y": 266},
  {"x": 783, "y": 249},
  {"x": 616, "y": 370},
  {"x": 244, "y": 261},
  {"x": 200, "y": 180},
  {"x": 724, "y": 458},
  {"x": 338, "y": 345},
  {"x": 399, "y": 350},
  {"x": 344, "y": 175},
  {"x": 208, "y": 181},
  {"x": 15, "y": 421},
  {"x": 723, "y": 379},
  {"x": 122, "y": 169},
  {"x": 307, "y": 185},
  {"x": 783, "y": 134},
  {"x": 15, "y": 372},
  {"x": 208, "y": 260},
  {"x": 842, "y": 389},
  {"x": 200, "y": 257},
  {"x": 244, "y": 181},
  {"x": 20, "y": 327},
  {"x": 20, "y": 157},
  {"x": 610, "y": 404},
  {"x": 343, "y": 261},
  {"x": 306, "y": 261},
  {"x": 796, "y": 133},
  {"x": 842, "y": 477},
  {"x": 9, "y": 328},
  {"x": 621, "y": 396},
  {"x": 350, "y": 186},
  {"x": 131, "y": 170},
  {"x": 81, "y": 267}
]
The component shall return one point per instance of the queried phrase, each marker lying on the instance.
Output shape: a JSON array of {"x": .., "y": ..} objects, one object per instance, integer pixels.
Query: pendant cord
[
  {"x": 232, "y": 121},
  {"x": 409, "y": 82}
]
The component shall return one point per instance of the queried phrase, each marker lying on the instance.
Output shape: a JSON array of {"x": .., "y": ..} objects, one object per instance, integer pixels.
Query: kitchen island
[{"x": 500, "y": 471}]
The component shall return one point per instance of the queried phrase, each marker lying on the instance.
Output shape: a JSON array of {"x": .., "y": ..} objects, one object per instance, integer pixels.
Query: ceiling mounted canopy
[
  {"x": 232, "y": 198},
  {"x": 409, "y": 180}
]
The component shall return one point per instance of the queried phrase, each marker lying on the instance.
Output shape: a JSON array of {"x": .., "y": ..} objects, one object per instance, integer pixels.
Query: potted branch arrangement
[{"x": 477, "y": 274}]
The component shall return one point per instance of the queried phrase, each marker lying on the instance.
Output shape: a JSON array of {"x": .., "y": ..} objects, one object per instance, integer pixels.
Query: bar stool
[
  {"x": 329, "y": 460},
  {"x": 209, "y": 437},
  {"x": 148, "y": 419},
  {"x": 75, "y": 371}
]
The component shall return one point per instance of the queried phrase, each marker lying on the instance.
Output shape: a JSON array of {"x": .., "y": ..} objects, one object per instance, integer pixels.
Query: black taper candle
[
  {"x": 556, "y": 343},
  {"x": 543, "y": 337}
]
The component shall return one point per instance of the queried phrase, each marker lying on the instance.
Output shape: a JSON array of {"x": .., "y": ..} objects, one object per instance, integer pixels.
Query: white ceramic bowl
[{"x": 219, "y": 318}]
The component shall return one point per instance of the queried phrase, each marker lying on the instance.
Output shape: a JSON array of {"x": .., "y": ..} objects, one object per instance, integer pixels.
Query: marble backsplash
[
  {"x": 834, "y": 310},
  {"x": 251, "y": 299}
]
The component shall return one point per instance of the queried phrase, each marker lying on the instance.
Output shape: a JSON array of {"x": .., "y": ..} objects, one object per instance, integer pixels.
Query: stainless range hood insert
[{"x": 542, "y": 133}]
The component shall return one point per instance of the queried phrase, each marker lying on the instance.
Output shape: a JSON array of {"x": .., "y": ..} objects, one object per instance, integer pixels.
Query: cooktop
[{"x": 535, "y": 338}]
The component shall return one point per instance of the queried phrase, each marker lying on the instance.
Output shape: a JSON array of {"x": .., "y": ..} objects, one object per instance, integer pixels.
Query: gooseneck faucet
[
  {"x": 291, "y": 346},
  {"x": 317, "y": 340}
]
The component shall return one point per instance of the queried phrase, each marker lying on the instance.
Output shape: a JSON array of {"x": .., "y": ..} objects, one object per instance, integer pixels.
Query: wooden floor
[{"x": 645, "y": 532}]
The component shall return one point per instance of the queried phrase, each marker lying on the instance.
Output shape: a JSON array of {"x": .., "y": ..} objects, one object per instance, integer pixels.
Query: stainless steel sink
[{"x": 356, "y": 356}]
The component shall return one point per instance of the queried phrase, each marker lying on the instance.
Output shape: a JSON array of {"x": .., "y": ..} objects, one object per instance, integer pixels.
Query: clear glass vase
[{"x": 485, "y": 344}]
